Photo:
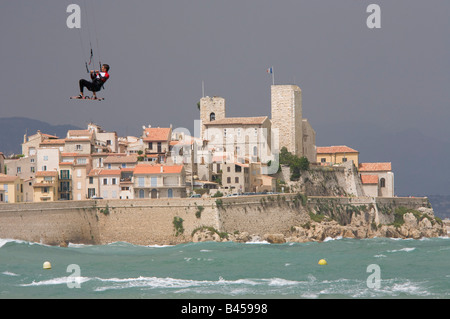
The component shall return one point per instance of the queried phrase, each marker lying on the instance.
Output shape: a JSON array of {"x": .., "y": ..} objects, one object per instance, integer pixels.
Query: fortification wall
[{"x": 150, "y": 221}]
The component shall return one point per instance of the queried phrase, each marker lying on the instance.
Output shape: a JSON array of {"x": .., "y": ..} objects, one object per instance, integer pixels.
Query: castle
[
  {"x": 231, "y": 154},
  {"x": 253, "y": 136}
]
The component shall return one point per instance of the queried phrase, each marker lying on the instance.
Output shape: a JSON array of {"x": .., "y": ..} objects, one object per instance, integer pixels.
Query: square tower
[
  {"x": 286, "y": 105},
  {"x": 211, "y": 109}
]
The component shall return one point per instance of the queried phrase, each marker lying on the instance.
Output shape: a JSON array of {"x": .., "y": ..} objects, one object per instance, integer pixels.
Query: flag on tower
[{"x": 270, "y": 71}]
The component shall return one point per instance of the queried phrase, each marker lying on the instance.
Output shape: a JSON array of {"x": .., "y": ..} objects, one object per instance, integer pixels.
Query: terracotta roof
[
  {"x": 94, "y": 172},
  {"x": 335, "y": 149},
  {"x": 156, "y": 169},
  {"x": 74, "y": 154},
  {"x": 369, "y": 179},
  {"x": 120, "y": 159},
  {"x": 239, "y": 120},
  {"x": 157, "y": 134},
  {"x": 373, "y": 167},
  {"x": 52, "y": 141},
  {"x": 109, "y": 172},
  {"x": 79, "y": 133},
  {"x": 46, "y": 173},
  {"x": 8, "y": 178}
]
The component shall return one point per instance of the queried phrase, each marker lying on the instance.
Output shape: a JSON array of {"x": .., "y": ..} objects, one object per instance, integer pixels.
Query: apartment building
[
  {"x": 45, "y": 186},
  {"x": 11, "y": 189},
  {"x": 159, "y": 181},
  {"x": 156, "y": 143}
]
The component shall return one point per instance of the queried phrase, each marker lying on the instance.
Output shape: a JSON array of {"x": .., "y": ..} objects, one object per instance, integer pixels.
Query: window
[
  {"x": 256, "y": 132},
  {"x": 114, "y": 181},
  {"x": 236, "y": 179},
  {"x": 237, "y": 169},
  {"x": 141, "y": 182},
  {"x": 32, "y": 169},
  {"x": 344, "y": 159},
  {"x": 78, "y": 147},
  {"x": 124, "y": 165},
  {"x": 228, "y": 180},
  {"x": 382, "y": 182},
  {"x": 45, "y": 158},
  {"x": 323, "y": 160},
  {"x": 224, "y": 132},
  {"x": 19, "y": 170},
  {"x": 255, "y": 150},
  {"x": 44, "y": 168},
  {"x": 150, "y": 145},
  {"x": 108, "y": 142},
  {"x": 239, "y": 132},
  {"x": 91, "y": 180},
  {"x": 170, "y": 193},
  {"x": 65, "y": 174},
  {"x": 228, "y": 169},
  {"x": 105, "y": 181},
  {"x": 45, "y": 190},
  {"x": 212, "y": 116},
  {"x": 154, "y": 181},
  {"x": 81, "y": 161},
  {"x": 141, "y": 193},
  {"x": 78, "y": 185},
  {"x": 108, "y": 166}
]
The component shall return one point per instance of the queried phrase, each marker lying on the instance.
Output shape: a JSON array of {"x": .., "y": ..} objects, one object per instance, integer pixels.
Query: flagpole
[{"x": 273, "y": 77}]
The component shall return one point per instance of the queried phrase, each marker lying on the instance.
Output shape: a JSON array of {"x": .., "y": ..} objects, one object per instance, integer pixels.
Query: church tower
[
  {"x": 211, "y": 109},
  {"x": 286, "y": 105}
]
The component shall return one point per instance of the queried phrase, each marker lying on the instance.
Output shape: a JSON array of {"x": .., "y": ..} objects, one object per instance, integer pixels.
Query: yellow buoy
[
  {"x": 47, "y": 265},
  {"x": 322, "y": 262}
]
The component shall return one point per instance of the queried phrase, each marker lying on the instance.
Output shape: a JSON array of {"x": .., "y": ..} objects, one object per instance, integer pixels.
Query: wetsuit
[{"x": 97, "y": 82}]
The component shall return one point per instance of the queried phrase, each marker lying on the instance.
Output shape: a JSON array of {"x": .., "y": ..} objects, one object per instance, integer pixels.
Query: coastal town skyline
[{"x": 386, "y": 84}]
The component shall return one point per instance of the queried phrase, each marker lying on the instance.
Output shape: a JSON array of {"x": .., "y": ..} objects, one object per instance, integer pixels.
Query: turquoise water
[{"x": 406, "y": 269}]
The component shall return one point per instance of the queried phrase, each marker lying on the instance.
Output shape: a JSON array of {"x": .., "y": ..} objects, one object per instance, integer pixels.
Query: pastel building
[
  {"x": 11, "y": 189},
  {"x": 46, "y": 186},
  {"x": 159, "y": 181},
  {"x": 330, "y": 155},
  {"x": 377, "y": 179}
]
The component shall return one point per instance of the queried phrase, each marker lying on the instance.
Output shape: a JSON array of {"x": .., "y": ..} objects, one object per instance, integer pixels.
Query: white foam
[
  {"x": 8, "y": 273},
  {"x": 408, "y": 249},
  {"x": 57, "y": 281}
]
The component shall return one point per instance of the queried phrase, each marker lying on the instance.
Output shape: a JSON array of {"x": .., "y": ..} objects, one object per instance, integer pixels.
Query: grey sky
[{"x": 394, "y": 78}]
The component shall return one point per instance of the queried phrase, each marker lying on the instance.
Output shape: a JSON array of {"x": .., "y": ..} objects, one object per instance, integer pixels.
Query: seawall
[{"x": 151, "y": 221}]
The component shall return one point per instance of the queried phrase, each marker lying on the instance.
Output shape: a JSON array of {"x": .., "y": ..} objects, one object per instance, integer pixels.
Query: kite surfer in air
[{"x": 98, "y": 80}]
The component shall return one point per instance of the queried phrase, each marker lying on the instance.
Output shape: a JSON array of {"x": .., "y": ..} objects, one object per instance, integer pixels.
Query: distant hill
[{"x": 12, "y": 130}]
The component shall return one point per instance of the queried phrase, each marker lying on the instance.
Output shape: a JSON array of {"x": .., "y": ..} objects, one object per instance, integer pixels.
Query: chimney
[{"x": 161, "y": 169}]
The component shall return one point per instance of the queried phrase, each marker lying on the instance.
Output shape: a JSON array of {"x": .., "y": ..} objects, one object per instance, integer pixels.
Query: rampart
[{"x": 151, "y": 221}]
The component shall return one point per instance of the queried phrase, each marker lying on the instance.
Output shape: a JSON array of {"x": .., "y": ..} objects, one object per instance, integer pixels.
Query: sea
[{"x": 355, "y": 269}]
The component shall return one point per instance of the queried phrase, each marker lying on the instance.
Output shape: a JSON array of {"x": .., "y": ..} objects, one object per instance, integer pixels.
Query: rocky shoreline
[{"x": 415, "y": 224}]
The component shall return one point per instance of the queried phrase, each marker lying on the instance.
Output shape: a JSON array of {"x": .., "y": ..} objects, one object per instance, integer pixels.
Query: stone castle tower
[
  {"x": 211, "y": 109},
  {"x": 286, "y": 105}
]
